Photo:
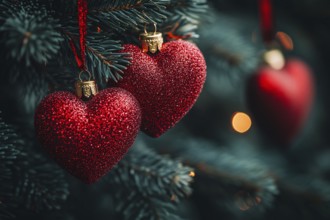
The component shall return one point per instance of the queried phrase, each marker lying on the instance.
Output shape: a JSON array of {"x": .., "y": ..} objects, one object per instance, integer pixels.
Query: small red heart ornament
[
  {"x": 166, "y": 84},
  {"x": 88, "y": 138},
  {"x": 280, "y": 100}
]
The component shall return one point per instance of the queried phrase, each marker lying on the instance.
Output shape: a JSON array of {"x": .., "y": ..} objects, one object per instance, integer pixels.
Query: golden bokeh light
[
  {"x": 241, "y": 122},
  {"x": 192, "y": 174}
]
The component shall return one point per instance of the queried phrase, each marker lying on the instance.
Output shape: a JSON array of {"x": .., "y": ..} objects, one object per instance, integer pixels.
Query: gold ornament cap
[
  {"x": 274, "y": 58},
  {"x": 151, "y": 41},
  {"x": 86, "y": 89}
]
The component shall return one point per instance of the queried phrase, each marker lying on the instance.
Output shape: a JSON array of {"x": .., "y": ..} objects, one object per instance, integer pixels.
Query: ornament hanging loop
[
  {"x": 151, "y": 41},
  {"x": 145, "y": 28},
  {"x": 85, "y": 71},
  {"x": 86, "y": 89}
]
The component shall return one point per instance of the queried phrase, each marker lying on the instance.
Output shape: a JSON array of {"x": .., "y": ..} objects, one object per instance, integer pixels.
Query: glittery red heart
[
  {"x": 88, "y": 138},
  {"x": 166, "y": 84},
  {"x": 280, "y": 100}
]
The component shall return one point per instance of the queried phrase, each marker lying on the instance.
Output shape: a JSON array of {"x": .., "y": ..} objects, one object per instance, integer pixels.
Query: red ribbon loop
[
  {"x": 82, "y": 21},
  {"x": 266, "y": 20}
]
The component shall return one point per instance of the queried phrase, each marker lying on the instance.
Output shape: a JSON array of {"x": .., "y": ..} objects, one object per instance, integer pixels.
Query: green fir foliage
[
  {"x": 159, "y": 184},
  {"x": 28, "y": 181},
  {"x": 29, "y": 33}
]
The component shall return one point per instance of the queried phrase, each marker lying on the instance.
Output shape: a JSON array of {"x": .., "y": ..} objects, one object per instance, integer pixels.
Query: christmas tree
[{"x": 233, "y": 156}]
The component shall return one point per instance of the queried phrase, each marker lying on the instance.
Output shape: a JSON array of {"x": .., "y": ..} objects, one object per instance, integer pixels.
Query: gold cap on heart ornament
[
  {"x": 86, "y": 89},
  {"x": 151, "y": 41}
]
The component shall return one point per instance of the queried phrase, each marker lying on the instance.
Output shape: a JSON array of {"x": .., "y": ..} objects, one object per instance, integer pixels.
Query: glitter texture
[
  {"x": 166, "y": 84},
  {"x": 88, "y": 138},
  {"x": 280, "y": 100}
]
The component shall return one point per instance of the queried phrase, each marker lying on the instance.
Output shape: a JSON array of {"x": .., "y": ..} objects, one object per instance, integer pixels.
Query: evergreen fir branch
[
  {"x": 227, "y": 53},
  {"x": 11, "y": 157},
  {"x": 105, "y": 61},
  {"x": 61, "y": 74},
  {"x": 178, "y": 19},
  {"x": 191, "y": 9},
  {"x": 142, "y": 207},
  {"x": 30, "y": 94},
  {"x": 152, "y": 184},
  {"x": 19, "y": 104},
  {"x": 28, "y": 181},
  {"x": 179, "y": 29},
  {"x": 142, "y": 167},
  {"x": 43, "y": 186},
  {"x": 28, "y": 86},
  {"x": 306, "y": 188},
  {"x": 320, "y": 164},
  {"x": 29, "y": 33},
  {"x": 185, "y": 16},
  {"x": 123, "y": 15},
  {"x": 307, "y": 196},
  {"x": 100, "y": 6},
  {"x": 241, "y": 183}
]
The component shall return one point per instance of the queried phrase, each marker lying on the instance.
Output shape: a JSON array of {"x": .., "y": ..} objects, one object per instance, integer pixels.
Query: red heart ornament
[
  {"x": 166, "y": 84},
  {"x": 88, "y": 138},
  {"x": 280, "y": 100}
]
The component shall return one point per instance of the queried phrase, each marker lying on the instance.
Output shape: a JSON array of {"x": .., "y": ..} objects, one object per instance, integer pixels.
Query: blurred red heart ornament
[{"x": 280, "y": 100}]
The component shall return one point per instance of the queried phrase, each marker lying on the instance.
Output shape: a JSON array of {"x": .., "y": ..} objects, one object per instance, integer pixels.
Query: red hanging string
[
  {"x": 266, "y": 20},
  {"x": 82, "y": 20}
]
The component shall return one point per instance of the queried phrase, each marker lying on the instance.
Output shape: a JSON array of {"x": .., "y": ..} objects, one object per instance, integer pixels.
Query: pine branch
[
  {"x": 137, "y": 206},
  {"x": 19, "y": 98},
  {"x": 306, "y": 188},
  {"x": 28, "y": 181},
  {"x": 62, "y": 73},
  {"x": 123, "y": 15},
  {"x": 43, "y": 186},
  {"x": 320, "y": 164},
  {"x": 28, "y": 32},
  {"x": 304, "y": 185},
  {"x": 185, "y": 16},
  {"x": 10, "y": 157},
  {"x": 302, "y": 196},
  {"x": 227, "y": 53},
  {"x": 188, "y": 8},
  {"x": 152, "y": 184},
  {"x": 176, "y": 19},
  {"x": 105, "y": 62},
  {"x": 237, "y": 183}
]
